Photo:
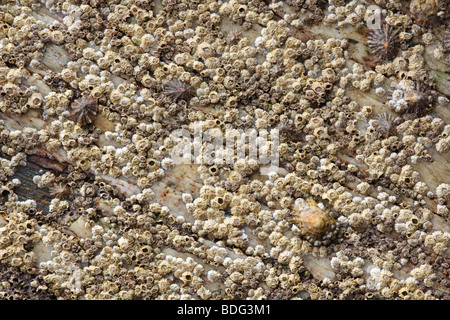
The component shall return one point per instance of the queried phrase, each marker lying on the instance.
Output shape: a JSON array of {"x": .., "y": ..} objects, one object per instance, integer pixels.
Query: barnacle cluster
[
  {"x": 428, "y": 12},
  {"x": 447, "y": 39},
  {"x": 413, "y": 98},
  {"x": 97, "y": 96}
]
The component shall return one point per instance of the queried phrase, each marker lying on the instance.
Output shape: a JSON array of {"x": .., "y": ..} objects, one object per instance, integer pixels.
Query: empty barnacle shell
[
  {"x": 234, "y": 37},
  {"x": 5, "y": 191},
  {"x": 314, "y": 223},
  {"x": 84, "y": 110},
  {"x": 384, "y": 42}
]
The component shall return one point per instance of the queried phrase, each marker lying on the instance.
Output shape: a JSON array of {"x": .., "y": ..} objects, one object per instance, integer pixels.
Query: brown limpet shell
[
  {"x": 385, "y": 124},
  {"x": 384, "y": 42},
  {"x": 315, "y": 224},
  {"x": 84, "y": 110},
  {"x": 178, "y": 90},
  {"x": 60, "y": 190}
]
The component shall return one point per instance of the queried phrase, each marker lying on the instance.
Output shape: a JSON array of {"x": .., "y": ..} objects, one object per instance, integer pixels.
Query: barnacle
[
  {"x": 178, "y": 90},
  {"x": 5, "y": 191},
  {"x": 317, "y": 91},
  {"x": 233, "y": 37},
  {"x": 84, "y": 109},
  {"x": 384, "y": 42},
  {"x": 314, "y": 223}
]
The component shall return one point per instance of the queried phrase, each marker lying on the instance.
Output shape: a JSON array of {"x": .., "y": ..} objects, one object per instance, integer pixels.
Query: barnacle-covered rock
[{"x": 97, "y": 97}]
